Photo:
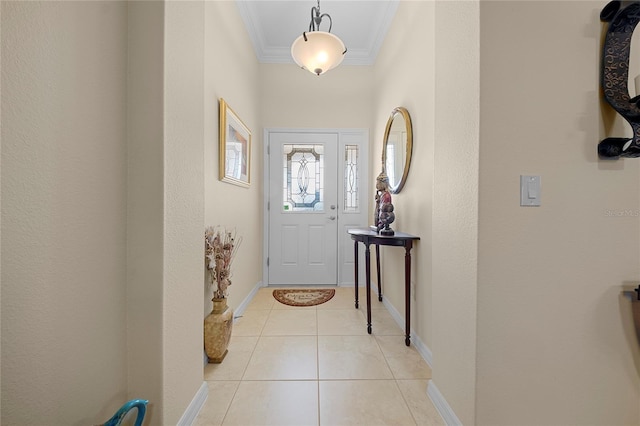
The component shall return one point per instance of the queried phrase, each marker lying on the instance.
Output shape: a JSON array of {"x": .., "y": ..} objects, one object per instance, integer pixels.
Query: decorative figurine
[
  {"x": 383, "y": 215},
  {"x": 622, "y": 18}
]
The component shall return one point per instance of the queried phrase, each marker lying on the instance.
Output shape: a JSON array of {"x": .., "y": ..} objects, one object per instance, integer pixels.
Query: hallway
[{"x": 317, "y": 366}]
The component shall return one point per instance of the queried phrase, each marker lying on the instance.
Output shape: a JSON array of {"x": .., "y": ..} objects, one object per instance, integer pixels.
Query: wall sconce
[
  {"x": 318, "y": 51},
  {"x": 622, "y": 16}
]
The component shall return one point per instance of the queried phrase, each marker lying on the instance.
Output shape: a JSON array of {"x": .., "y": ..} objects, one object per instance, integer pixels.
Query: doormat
[{"x": 304, "y": 297}]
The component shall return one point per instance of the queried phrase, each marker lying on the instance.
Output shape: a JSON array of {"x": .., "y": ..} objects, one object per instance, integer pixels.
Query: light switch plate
[{"x": 529, "y": 191}]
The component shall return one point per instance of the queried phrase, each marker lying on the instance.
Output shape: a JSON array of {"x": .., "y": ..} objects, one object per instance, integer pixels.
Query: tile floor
[{"x": 317, "y": 366}]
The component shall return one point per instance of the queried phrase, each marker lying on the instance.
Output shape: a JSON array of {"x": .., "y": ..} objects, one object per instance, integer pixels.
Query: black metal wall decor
[{"x": 622, "y": 16}]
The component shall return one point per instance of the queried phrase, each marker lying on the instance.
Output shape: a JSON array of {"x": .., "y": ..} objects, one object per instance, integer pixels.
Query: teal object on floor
[{"x": 140, "y": 404}]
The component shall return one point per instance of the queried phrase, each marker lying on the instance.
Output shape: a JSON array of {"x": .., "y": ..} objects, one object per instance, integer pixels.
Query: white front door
[
  {"x": 303, "y": 197},
  {"x": 314, "y": 195}
]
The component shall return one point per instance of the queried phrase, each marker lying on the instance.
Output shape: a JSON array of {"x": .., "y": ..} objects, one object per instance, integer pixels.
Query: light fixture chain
[{"x": 316, "y": 19}]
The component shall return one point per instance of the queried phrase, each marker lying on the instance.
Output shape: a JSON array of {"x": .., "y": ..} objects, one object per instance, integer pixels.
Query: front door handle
[{"x": 332, "y": 217}]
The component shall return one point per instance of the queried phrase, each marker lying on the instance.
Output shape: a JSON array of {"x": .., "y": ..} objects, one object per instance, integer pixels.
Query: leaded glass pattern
[
  {"x": 351, "y": 178},
  {"x": 303, "y": 174}
]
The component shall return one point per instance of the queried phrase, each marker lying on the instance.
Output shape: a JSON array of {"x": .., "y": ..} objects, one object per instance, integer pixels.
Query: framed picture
[{"x": 235, "y": 147}]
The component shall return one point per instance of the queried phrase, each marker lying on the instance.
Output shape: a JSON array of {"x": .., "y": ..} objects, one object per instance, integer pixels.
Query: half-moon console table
[{"x": 399, "y": 239}]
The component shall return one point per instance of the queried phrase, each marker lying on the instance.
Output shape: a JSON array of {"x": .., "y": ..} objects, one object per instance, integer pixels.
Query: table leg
[
  {"x": 378, "y": 271},
  {"x": 407, "y": 292},
  {"x": 355, "y": 254},
  {"x": 367, "y": 260}
]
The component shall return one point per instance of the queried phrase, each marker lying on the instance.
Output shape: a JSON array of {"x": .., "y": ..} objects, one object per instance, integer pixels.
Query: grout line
[
  {"x": 253, "y": 351},
  {"x": 318, "y": 379},
  {"x": 226, "y": 412}
]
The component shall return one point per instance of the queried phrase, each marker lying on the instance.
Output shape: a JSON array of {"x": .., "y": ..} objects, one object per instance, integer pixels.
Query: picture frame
[{"x": 235, "y": 148}]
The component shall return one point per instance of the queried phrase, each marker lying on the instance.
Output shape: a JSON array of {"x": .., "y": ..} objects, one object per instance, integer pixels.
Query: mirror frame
[{"x": 409, "y": 146}]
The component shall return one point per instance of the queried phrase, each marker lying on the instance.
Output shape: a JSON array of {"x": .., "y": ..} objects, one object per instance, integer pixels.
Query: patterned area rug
[{"x": 304, "y": 297}]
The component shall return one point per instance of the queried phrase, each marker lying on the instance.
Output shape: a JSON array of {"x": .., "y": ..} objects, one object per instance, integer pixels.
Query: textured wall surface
[
  {"x": 455, "y": 204},
  {"x": 556, "y": 343},
  {"x": 405, "y": 79},
  {"x": 231, "y": 73},
  {"x": 182, "y": 325},
  {"x": 63, "y": 211},
  {"x": 145, "y": 204}
]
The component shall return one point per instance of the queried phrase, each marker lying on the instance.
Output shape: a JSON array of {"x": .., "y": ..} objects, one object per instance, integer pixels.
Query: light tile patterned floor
[{"x": 317, "y": 366}]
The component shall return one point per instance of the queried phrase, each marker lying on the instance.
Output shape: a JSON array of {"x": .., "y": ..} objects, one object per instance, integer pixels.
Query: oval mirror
[{"x": 396, "y": 148}]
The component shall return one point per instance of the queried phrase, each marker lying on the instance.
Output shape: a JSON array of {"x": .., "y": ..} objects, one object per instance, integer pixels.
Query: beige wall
[
  {"x": 184, "y": 206},
  {"x": 64, "y": 211},
  {"x": 403, "y": 78},
  {"x": 165, "y": 205},
  {"x": 103, "y": 209},
  {"x": 534, "y": 287},
  {"x": 455, "y": 205},
  {"x": 145, "y": 203},
  {"x": 341, "y": 98},
  {"x": 439, "y": 87},
  {"x": 231, "y": 73},
  {"x": 555, "y": 338}
]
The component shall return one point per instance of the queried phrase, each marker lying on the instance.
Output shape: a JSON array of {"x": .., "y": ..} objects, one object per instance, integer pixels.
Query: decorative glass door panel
[
  {"x": 351, "y": 181},
  {"x": 303, "y": 175}
]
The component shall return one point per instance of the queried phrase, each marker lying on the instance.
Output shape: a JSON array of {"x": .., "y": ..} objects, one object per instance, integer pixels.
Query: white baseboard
[
  {"x": 442, "y": 406},
  {"x": 237, "y": 312},
  {"x": 434, "y": 394},
  {"x": 422, "y": 349},
  {"x": 195, "y": 406}
]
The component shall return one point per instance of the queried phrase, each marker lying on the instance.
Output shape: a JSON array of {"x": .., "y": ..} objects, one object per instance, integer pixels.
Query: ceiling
[{"x": 273, "y": 25}]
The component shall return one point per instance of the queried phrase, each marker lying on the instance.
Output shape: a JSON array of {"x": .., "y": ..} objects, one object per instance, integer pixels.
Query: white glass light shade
[{"x": 321, "y": 51}]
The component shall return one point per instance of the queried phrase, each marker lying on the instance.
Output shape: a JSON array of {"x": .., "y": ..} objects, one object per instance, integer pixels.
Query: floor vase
[{"x": 217, "y": 331}]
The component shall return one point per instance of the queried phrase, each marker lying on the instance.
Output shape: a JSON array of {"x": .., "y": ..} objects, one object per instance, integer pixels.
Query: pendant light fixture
[{"x": 318, "y": 51}]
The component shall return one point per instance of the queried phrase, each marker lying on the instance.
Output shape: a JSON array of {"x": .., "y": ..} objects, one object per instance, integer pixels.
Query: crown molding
[{"x": 362, "y": 55}]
